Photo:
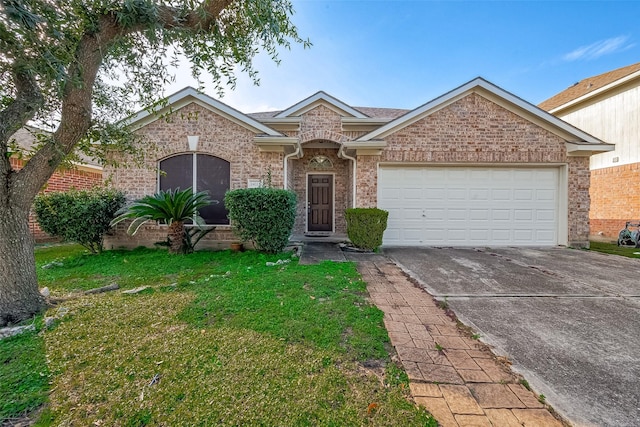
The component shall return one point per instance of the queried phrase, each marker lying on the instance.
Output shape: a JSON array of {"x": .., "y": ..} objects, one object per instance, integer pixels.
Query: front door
[{"x": 320, "y": 203}]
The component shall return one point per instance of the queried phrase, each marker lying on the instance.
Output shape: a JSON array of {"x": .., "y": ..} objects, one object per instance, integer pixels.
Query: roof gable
[
  {"x": 321, "y": 98},
  {"x": 495, "y": 94},
  {"x": 190, "y": 95},
  {"x": 591, "y": 86}
]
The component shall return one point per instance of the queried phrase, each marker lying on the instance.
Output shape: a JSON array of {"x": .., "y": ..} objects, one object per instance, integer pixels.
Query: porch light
[{"x": 193, "y": 142}]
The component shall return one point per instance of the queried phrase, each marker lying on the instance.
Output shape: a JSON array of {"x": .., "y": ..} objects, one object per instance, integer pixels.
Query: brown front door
[{"x": 320, "y": 203}]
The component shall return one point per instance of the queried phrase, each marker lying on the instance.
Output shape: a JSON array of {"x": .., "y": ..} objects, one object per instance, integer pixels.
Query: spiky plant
[{"x": 172, "y": 207}]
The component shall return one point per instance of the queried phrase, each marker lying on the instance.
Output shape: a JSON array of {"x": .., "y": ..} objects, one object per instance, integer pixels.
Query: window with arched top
[
  {"x": 320, "y": 163},
  {"x": 201, "y": 172}
]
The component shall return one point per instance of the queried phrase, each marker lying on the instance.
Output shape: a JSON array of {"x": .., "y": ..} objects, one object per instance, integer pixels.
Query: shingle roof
[
  {"x": 587, "y": 85},
  {"x": 378, "y": 113}
]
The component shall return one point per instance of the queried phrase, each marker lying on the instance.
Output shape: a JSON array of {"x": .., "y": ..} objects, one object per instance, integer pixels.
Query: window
[
  {"x": 202, "y": 173},
  {"x": 320, "y": 163}
]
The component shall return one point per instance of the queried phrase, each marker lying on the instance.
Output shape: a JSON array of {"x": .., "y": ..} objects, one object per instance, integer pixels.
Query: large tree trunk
[{"x": 20, "y": 297}]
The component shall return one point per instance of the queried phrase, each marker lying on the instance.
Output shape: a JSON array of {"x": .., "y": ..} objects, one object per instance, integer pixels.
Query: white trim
[
  {"x": 596, "y": 92},
  {"x": 320, "y": 98},
  {"x": 343, "y": 154},
  {"x": 473, "y": 86},
  {"x": 188, "y": 95},
  {"x": 285, "y": 169},
  {"x": 333, "y": 203}
]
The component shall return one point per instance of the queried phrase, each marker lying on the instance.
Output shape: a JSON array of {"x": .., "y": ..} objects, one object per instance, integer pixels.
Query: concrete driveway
[{"x": 569, "y": 320}]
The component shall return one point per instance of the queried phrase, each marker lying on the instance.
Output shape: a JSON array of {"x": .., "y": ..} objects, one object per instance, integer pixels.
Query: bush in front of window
[
  {"x": 263, "y": 216},
  {"x": 173, "y": 208},
  {"x": 365, "y": 227},
  {"x": 79, "y": 216}
]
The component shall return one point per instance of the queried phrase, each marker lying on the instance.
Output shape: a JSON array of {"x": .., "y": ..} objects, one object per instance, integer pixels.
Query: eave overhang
[{"x": 270, "y": 144}]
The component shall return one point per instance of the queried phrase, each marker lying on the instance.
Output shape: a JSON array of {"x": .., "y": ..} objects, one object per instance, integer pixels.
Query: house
[
  {"x": 475, "y": 166},
  {"x": 83, "y": 176},
  {"x": 608, "y": 107}
]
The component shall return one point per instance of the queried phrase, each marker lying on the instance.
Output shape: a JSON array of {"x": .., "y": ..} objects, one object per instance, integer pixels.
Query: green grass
[
  {"x": 612, "y": 248},
  {"x": 24, "y": 374},
  {"x": 230, "y": 340}
]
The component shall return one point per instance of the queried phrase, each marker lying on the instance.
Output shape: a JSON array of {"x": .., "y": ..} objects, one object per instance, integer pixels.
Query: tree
[
  {"x": 81, "y": 66},
  {"x": 174, "y": 208}
]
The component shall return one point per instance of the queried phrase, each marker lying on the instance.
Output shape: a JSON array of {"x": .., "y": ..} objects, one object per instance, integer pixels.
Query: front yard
[{"x": 218, "y": 338}]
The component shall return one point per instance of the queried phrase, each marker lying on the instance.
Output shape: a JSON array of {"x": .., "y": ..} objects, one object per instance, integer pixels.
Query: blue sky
[{"x": 401, "y": 54}]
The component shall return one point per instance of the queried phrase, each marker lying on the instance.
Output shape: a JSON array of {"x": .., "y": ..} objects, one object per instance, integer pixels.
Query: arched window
[
  {"x": 320, "y": 163},
  {"x": 202, "y": 173}
]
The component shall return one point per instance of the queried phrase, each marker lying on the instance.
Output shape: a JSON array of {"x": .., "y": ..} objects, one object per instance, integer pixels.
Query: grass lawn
[
  {"x": 613, "y": 248},
  {"x": 220, "y": 338}
]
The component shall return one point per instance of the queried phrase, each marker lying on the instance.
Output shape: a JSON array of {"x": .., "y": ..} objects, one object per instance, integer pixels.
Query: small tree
[
  {"x": 79, "y": 216},
  {"x": 264, "y": 216},
  {"x": 172, "y": 207}
]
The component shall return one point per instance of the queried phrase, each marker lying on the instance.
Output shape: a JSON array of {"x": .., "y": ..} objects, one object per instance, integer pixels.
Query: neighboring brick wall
[
  {"x": 78, "y": 179},
  {"x": 166, "y": 137},
  {"x": 615, "y": 199}
]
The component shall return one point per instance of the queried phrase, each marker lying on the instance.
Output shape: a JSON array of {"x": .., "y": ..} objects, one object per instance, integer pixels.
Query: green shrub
[
  {"x": 172, "y": 207},
  {"x": 79, "y": 216},
  {"x": 264, "y": 216},
  {"x": 365, "y": 227}
]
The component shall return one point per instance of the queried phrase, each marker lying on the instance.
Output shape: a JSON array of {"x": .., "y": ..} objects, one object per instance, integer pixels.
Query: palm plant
[{"x": 172, "y": 207}]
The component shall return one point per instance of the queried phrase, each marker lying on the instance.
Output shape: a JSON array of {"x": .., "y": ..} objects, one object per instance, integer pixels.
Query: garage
[{"x": 471, "y": 206}]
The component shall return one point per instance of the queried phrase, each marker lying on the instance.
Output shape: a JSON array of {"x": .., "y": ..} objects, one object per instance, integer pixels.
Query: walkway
[{"x": 456, "y": 378}]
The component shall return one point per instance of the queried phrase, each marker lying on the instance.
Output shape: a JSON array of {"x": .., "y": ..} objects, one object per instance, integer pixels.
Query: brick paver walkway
[{"x": 457, "y": 379}]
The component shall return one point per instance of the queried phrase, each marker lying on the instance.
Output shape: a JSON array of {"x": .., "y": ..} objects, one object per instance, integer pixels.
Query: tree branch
[
  {"x": 76, "y": 113},
  {"x": 200, "y": 19}
]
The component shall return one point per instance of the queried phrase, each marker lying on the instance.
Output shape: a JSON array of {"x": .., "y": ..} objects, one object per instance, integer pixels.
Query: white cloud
[{"x": 599, "y": 48}]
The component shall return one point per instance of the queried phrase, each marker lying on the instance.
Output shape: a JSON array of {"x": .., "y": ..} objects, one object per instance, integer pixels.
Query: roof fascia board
[
  {"x": 587, "y": 149},
  {"x": 188, "y": 95},
  {"x": 596, "y": 92},
  {"x": 484, "y": 88},
  {"x": 317, "y": 99}
]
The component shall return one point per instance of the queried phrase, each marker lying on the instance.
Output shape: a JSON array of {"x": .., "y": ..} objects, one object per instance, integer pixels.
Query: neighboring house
[
  {"x": 477, "y": 166},
  {"x": 85, "y": 175},
  {"x": 608, "y": 107}
]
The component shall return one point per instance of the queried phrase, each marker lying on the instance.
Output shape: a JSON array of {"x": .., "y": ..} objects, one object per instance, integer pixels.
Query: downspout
[
  {"x": 285, "y": 168},
  {"x": 342, "y": 154}
]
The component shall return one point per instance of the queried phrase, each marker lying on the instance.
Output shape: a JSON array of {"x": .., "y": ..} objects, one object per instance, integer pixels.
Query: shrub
[
  {"x": 79, "y": 216},
  {"x": 264, "y": 216},
  {"x": 365, "y": 227},
  {"x": 174, "y": 208}
]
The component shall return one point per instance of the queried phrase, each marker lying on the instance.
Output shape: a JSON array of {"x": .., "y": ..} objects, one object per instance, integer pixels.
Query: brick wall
[
  {"x": 475, "y": 130},
  {"x": 79, "y": 179},
  {"x": 615, "y": 199},
  {"x": 166, "y": 137},
  {"x": 579, "y": 201}
]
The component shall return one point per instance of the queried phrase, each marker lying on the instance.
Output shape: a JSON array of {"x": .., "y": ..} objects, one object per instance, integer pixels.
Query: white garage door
[{"x": 469, "y": 206}]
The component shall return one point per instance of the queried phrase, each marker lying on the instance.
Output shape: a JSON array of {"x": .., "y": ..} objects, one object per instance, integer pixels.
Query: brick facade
[
  {"x": 79, "y": 179},
  {"x": 472, "y": 130},
  {"x": 615, "y": 199},
  {"x": 165, "y": 137}
]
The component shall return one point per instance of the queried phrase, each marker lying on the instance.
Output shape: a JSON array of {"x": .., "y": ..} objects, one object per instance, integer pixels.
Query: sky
[{"x": 402, "y": 54}]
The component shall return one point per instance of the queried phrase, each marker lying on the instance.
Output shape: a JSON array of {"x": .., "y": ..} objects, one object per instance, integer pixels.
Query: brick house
[
  {"x": 83, "y": 176},
  {"x": 608, "y": 107},
  {"x": 475, "y": 166}
]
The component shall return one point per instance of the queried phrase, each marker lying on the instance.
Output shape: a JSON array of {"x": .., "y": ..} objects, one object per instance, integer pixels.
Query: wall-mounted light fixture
[{"x": 193, "y": 142}]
